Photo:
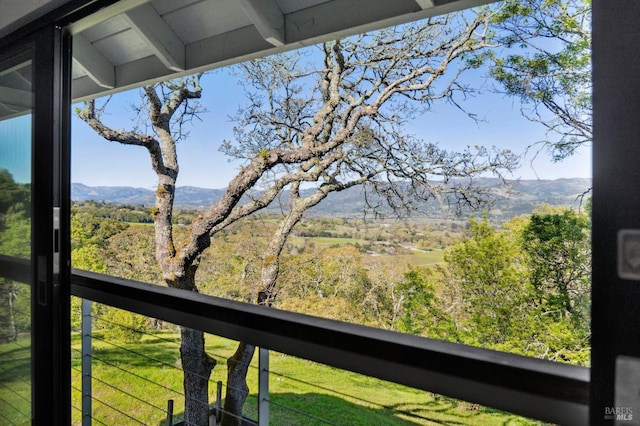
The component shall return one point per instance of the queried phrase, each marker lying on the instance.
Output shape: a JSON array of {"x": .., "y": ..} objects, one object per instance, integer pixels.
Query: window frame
[{"x": 612, "y": 297}]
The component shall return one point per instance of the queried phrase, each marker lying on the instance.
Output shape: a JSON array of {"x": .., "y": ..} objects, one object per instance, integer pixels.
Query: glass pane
[
  {"x": 15, "y": 161},
  {"x": 15, "y": 352},
  {"x": 320, "y": 196},
  {"x": 15, "y": 241}
]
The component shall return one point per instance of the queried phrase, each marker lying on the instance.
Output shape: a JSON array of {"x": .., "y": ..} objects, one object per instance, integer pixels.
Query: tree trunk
[
  {"x": 237, "y": 389},
  {"x": 238, "y": 364},
  {"x": 197, "y": 366}
]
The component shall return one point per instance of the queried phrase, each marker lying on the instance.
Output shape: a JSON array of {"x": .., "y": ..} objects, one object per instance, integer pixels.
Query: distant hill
[
  {"x": 186, "y": 196},
  {"x": 528, "y": 194},
  {"x": 525, "y": 196}
]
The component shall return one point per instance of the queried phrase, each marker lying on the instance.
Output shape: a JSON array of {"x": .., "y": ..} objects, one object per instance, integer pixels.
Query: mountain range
[{"x": 525, "y": 195}]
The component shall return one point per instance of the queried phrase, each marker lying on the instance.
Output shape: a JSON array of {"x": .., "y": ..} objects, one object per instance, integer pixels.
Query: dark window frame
[{"x": 614, "y": 310}]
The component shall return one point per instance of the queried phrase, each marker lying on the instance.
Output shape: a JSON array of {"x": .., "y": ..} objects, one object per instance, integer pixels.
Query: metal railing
[
  {"x": 117, "y": 365},
  {"x": 113, "y": 371},
  {"x": 535, "y": 388},
  {"x": 530, "y": 387},
  {"x": 15, "y": 349}
]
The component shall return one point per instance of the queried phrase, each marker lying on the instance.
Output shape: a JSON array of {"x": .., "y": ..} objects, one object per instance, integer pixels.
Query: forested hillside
[
  {"x": 522, "y": 286},
  {"x": 523, "y": 197}
]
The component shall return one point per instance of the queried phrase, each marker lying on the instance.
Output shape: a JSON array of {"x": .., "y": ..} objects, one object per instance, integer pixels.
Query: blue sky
[
  {"x": 15, "y": 147},
  {"x": 97, "y": 162}
]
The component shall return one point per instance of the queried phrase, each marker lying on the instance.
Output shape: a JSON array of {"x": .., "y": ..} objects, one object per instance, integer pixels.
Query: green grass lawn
[
  {"x": 416, "y": 258},
  {"x": 413, "y": 257},
  {"x": 15, "y": 382},
  {"x": 327, "y": 241},
  {"x": 138, "y": 379}
]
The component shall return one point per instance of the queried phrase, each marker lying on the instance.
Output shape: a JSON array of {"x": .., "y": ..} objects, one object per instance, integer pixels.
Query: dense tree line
[
  {"x": 15, "y": 240},
  {"x": 522, "y": 287},
  {"x": 130, "y": 213}
]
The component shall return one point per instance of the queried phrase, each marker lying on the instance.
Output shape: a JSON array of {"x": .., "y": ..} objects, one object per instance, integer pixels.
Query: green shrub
[{"x": 122, "y": 326}]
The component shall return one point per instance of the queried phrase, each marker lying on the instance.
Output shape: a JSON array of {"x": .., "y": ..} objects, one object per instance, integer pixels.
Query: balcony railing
[
  {"x": 530, "y": 387},
  {"x": 130, "y": 373},
  {"x": 534, "y": 388}
]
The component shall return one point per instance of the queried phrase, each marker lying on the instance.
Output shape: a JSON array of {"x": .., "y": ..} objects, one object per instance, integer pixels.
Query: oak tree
[
  {"x": 333, "y": 121},
  {"x": 356, "y": 95},
  {"x": 546, "y": 62}
]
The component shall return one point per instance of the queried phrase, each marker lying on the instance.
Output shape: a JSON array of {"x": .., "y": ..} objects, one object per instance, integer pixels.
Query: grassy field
[
  {"x": 411, "y": 257},
  {"x": 15, "y": 382},
  {"x": 327, "y": 241},
  {"x": 415, "y": 258},
  {"x": 132, "y": 383}
]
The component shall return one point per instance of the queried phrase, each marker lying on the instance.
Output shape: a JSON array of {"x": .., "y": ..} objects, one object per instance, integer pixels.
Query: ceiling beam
[
  {"x": 268, "y": 19},
  {"x": 88, "y": 57},
  {"x": 341, "y": 18},
  {"x": 20, "y": 99},
  {"x": 243, "y": 44},
  {"x": 104, "y": 14},
  {"x": 15, "y": 68},
  {"x": 425, "y": 4},
  {"x": 164, "y": 43}
]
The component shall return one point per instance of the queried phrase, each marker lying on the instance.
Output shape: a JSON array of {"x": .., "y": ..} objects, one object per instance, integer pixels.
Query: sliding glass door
[
  {"x": 34, "y": 292},
  {"x": 16, "y": 118}
]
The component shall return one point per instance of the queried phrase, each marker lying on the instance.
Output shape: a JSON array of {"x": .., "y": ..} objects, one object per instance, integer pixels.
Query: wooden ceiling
[{"x": 136, "y": 42}]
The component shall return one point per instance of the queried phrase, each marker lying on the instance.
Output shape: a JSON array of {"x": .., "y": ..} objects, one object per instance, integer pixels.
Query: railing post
[
  {"x": 263, "y": 387},
  {"x": 86, "y": 363},
  {"x": 170, "y": 412},
  {"x": 218, "y": 409}
]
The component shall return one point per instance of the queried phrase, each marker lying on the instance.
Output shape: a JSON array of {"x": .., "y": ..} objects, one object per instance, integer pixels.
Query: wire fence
[
  {"x": 132, "y": 382},
  {"x": 15, "y": 365},
  {"x": 141, "y": 382}
]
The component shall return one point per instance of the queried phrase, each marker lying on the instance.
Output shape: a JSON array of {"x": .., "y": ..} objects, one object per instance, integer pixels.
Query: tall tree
[
  {"x": 523, "y": 288},
  {"x": 357, "y": 100},
  {"x": 487, "y": 273},
  {"x": 546, "y": 62},
  {"x": 335, "y": 123},
  {"x": 168, "y": 107},
  {"x": 558, "y": 244}
]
